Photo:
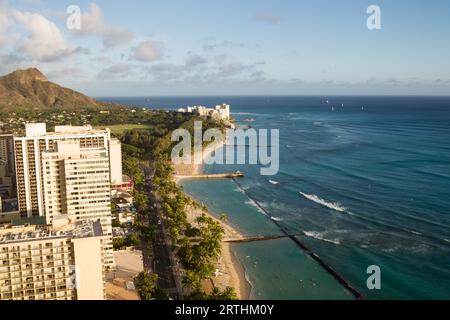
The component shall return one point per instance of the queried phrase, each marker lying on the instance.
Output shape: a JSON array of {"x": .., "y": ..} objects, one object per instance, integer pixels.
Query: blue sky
[{"x": 218, "y": 47}]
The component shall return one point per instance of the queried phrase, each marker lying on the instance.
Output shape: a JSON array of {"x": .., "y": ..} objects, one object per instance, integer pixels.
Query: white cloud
[
  {"x": 61, "y": 73},
  {"x": 199, "y": 70},
  {"x": 116, "y": 36},
  {"x": 195, "y": 60},
  {"x": 92, "y": 24},
  {"x": 147, "y": 51},
  {"x": 267, "y": 18},
  {"x": 45, "y": 42},
  {"x": 4, "y": 24},
  {"x": 119, "y": 69}
]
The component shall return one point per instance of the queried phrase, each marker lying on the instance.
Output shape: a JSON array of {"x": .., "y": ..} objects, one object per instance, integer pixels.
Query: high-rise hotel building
[
  {"x": 7, "y": 153},
  {"x": 77, "y": 184},
  {"x": 7, "y": 175},
  {"x": 62, "y": 261},
  {"x": 28, "y": 152},
  {"x": 67, "y": 172}
]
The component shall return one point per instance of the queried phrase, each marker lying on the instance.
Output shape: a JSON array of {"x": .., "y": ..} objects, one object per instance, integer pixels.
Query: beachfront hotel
[
  {"x": 28, "y": 150},
  {"x": 68, "y": 171},
  {"x": 77, "y": 184},
  {"x": 220, "y": 112},
  {"x": 62, "y": 261}
]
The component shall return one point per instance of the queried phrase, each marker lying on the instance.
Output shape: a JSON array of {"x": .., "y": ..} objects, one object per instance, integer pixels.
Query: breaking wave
[
  {"x": 319, "y": 236},
  {"x": 254, "y": 204},
  {"x": 245, "y": 113},
  {"x": 276, "y": 219},
  {"x": 331, "y": 205},
  {"x": 237, "y": 189}
]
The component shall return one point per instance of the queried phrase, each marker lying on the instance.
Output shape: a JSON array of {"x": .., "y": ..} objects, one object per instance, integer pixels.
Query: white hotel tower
[{"x": 67, "y": 172}]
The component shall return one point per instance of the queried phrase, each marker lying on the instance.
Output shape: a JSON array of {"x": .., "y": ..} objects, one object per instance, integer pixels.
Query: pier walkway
[
  {"x": 253, "y": 239},
  {"x": 230, "y": 175}
]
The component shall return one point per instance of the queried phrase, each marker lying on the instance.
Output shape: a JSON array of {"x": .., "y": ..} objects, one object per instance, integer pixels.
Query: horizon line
[{"x": 275, "y": 95}]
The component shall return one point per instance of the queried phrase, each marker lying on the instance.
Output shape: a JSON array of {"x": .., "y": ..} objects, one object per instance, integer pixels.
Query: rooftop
[
  {"x": 17, "y": 234},
  {"x": 34, "y": 130}
]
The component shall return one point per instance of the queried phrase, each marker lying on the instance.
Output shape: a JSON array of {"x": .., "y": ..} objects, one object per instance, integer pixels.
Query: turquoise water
[
  {"x": 298, "y": 278},
  {"x": 365, "y": 184},
  {"x": 280, "y": 270}
]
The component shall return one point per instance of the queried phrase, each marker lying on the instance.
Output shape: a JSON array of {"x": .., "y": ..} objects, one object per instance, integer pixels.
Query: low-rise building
[
  {"x": 125, "y": 213},
  {"x": 8, "y": 210},
  {"x": 126, "y": 217},
  {"x": 126, "y": 185}
]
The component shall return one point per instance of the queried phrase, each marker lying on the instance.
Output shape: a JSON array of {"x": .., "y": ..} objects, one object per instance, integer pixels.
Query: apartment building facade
[
  {"x": 77, "y": 184},
  {"x": 58, "y": 262}
]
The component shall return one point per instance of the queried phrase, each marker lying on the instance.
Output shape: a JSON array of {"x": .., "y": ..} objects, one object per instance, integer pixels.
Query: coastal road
[{"x": 163, "y": 261}]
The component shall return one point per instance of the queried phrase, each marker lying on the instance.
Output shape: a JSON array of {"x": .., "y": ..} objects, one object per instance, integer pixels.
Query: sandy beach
[
  {"x": 186, "y": 171},
  {"x": 230, "y": 272}
]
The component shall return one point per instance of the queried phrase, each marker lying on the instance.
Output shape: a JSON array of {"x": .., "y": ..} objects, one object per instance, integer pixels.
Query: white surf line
[{"x": 331, "y": 205}]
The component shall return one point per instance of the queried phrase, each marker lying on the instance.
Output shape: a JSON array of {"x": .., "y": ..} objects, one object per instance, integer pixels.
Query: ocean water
[{"x": 363, "y": 181}]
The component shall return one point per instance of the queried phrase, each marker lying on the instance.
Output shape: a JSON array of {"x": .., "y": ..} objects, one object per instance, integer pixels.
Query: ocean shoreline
[{"x": 231, "y": 272}]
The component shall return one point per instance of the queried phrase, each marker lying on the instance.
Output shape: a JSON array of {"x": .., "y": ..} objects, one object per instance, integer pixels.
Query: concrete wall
[
  {"x": 88, "y": 256},
  {"x": 115, "y": 151}
]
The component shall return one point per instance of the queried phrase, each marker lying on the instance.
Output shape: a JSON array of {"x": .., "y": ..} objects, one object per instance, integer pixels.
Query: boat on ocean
[{"x": 274, "y": 182}]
